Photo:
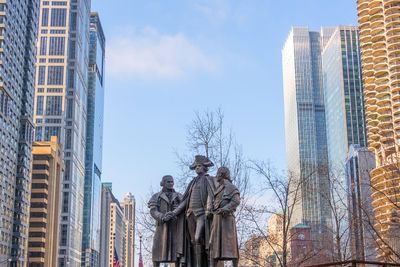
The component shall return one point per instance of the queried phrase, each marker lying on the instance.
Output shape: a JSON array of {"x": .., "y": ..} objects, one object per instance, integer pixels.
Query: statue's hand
[
  {"x": 167, "y": 216},
  {"x": 208, "y": 214},
  {"x": 224, "y": 211}
]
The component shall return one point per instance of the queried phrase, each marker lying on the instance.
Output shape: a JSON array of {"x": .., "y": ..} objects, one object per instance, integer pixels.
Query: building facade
[
  {"x": 44, "y": 221},
  {"x": 305, "y": 130},
  {"x": 344, "y": 100},
  {"x": 113, "y": 229},
  {"x": 359, "y": 164},
  {"x": 380, "y": 52},
  {"x": 94, "y": 145},
  {"x": 17, "y": 87},
  {"x": 128, "y": 207},
  {"x": 61, "y": 107}
]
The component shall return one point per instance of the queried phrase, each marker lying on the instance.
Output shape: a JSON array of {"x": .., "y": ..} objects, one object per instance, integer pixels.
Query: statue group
[{"x": 198, "y": 228}]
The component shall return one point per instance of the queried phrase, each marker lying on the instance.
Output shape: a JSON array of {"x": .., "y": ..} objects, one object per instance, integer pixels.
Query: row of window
[
  {"x": 55, "y": 75},
  {"x": 56, "y": 46},
  {"x": 58, "y": 17},
  {"x": 53, "y": 105}
]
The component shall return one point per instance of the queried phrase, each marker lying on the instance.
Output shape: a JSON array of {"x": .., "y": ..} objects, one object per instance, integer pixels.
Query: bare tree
[{"x": 285, "y": 192}]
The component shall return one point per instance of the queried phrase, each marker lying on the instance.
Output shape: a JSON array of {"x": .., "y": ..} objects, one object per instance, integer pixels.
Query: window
[
  {"x": 43, "y": 46},
  {"x": 45, "y": 17},
  {"x": 57, "y": 46},
  {"x": 72, "y": 23},
  {"x": 51, "y": 131},
  {"x": 53, "y": 105},
  {"x": 39, "y": 104},
  {"x": 38, "y": 133},
  {"x": 55, "y": 75},
  {"x": 41, "y": 75},
  {"x": 58, "y": 17}
]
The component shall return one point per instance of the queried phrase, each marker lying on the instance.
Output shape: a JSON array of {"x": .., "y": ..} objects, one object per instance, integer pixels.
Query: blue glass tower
[
  {"x": 306, "y": 144},
  {"x": 344, "y": 101},
  {"x": 94, "y": 145}
]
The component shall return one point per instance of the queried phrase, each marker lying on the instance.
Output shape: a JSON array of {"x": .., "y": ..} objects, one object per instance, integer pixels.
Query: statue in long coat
[
  {"x": 223, "y": 238},
  {"x": 168, "y": 239}
]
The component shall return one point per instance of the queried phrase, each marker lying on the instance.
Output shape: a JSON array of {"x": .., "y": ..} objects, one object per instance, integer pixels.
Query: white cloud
[{"x": 148, "y": 54}]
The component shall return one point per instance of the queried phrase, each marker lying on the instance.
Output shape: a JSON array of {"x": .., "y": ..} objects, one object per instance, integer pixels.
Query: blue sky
[{"x": 169, "y": 58}]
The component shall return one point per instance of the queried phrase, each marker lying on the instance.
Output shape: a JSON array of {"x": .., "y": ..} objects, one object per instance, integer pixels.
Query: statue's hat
[{"x": 201, "y": 160}]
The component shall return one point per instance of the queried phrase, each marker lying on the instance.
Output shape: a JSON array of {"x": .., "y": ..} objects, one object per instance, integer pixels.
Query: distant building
[
  {"x": 359, "y": 164},
  {"x": 272, "y": 249},
  {"x": 344, "y": 100},
  {"x": 305, "y": 127},
  {"x": 18, "y": 35},
  {"x": 252, "y": 255},
  {"x": 45, "y": 203},
  {"x": 113, "y": 229},
  {"x": 128, "y": 207},
  {"x": 301, "y": 246},
  {"x": 94, "y": 145}
]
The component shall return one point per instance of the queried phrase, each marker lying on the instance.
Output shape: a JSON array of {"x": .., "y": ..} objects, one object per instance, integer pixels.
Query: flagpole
[{"x": 140, "y": 252}]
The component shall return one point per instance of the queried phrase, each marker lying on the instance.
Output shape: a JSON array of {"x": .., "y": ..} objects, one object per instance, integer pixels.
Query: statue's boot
[{"x": 198, "y": 251}]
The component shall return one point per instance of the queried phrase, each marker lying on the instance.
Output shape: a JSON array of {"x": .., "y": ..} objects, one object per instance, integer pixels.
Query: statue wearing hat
[
  {"x": 196, "y": 205},
  {"x": 168, "y": 239}
]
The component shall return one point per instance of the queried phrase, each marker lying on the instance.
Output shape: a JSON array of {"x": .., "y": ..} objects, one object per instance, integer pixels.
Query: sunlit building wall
[
  {"x": 44, "y": 221},
  {"x": 61, "y": 107}
]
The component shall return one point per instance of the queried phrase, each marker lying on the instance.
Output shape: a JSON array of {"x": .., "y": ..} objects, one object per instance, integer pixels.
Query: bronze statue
[
  {"x": 168, "y": 239},
  {"x": 197, "y": 204},
  {"x": 223, "y": 237}
]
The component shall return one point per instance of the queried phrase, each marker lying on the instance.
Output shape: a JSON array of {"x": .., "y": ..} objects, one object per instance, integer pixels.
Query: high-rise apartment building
[
  {"x": 380, "y": 57},
  {"x": 306, "y": 144},
  {"x": 344, "y": 100},
  {"x": 18, "y": 34},
  {"x": 44, "y": 221},
  {"x": 128, "y": 207},
  {"x": 61, "y": 107},
  {"x": 113, "y": 229},
  {"x": 359, "y": 163},
  {"x": 94, "y": 145}
]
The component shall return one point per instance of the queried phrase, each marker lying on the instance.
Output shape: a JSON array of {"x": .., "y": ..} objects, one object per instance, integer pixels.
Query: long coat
[
  {"x": 223, "y": 238},
  {"x": 167, "y": 241}
]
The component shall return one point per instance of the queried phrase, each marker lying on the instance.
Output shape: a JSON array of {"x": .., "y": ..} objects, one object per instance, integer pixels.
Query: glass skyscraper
[
  {"x": 18, "y": 33},
  {"x": 305, "y": 130},
  {"x": 61, "y": 107},
  {"x": 344, "y": 101},
  {"x": 94, "y": 145}
]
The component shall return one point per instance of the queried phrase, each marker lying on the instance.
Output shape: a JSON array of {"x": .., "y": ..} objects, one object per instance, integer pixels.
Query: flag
[
  {"x": 116, "y": 261},
  {"x": 140, "y": 259}
]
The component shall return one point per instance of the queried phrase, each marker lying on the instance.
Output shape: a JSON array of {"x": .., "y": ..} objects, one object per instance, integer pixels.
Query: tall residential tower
[
  {"x": 379, "y": 25},
  {"x": 18, "y": 33},
  {"x": 61, "y": 107},
  {"x": 94, "y": 145}
]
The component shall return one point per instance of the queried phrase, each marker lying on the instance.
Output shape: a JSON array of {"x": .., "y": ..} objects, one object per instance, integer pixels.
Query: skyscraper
[
  {"x": 60, "y": 109},
  {"x": 17, "y": 84},
  {"x": 128, "y": 207},
  {"x": 94, "y": 145},
  {"x": 306, "y": 144},
  {"x": 344, "y": 101},
  {"x": 44, "y": 221},
  {"x": 359, "y": 163},
  {"x": 380, "y": 53}
]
